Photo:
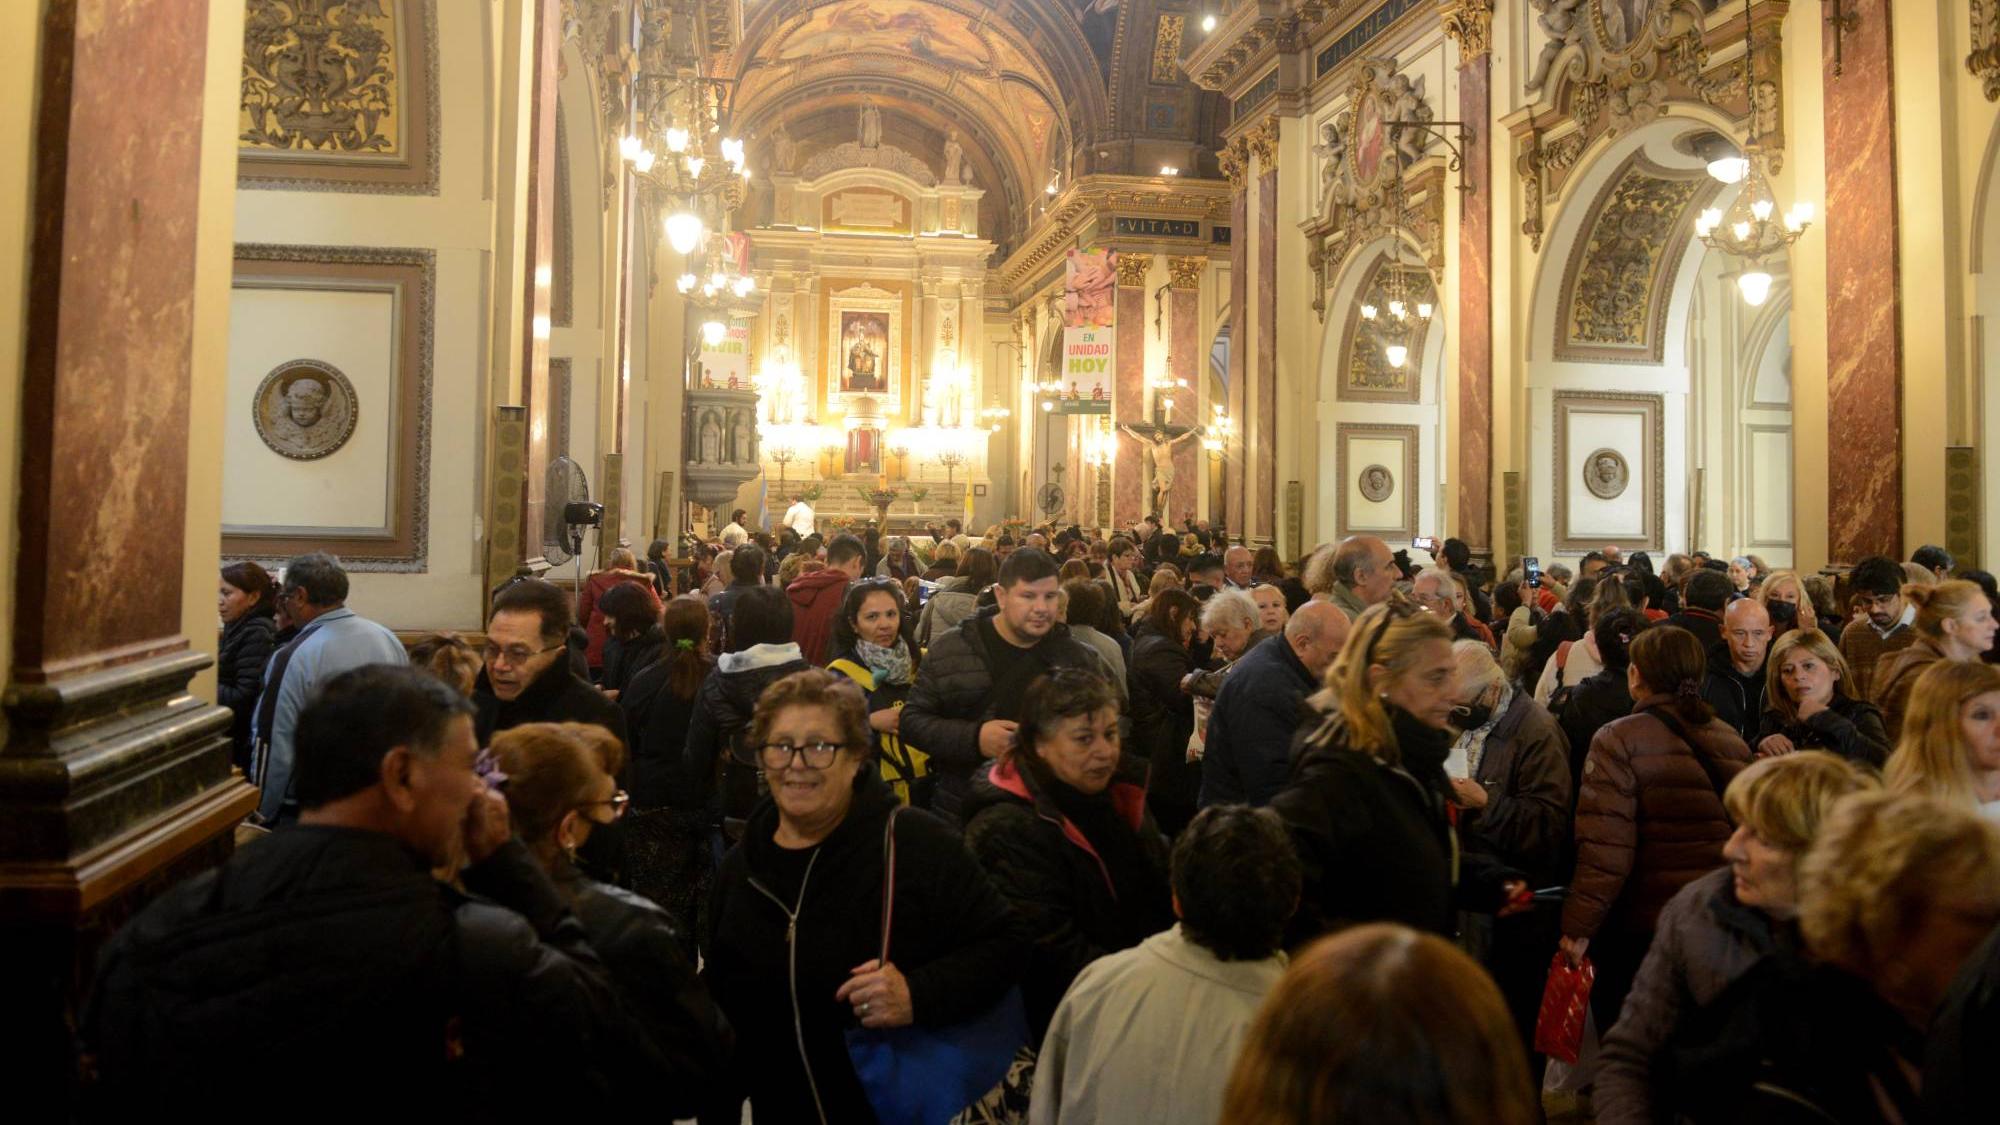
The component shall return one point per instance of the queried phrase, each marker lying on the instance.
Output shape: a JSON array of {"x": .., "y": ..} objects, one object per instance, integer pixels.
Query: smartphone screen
[
  {"x": 1532, "y": 566},
  {"x": 1425, "y": 543}
]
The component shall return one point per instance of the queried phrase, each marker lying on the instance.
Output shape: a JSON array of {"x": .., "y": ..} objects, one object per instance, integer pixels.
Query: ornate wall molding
[
  {"x": 412, "y": 275},
  {"x": 1186, "y": 273},
  {"x": 1365, "y": 374},
  {"x": 1648, "y": 459},
  {"x": 377, "y": 131},
  {"x": 1620, "y": 275},
  {"x": 1403, "y": 483},
  {"x": 1082, "y": 217},
  {"x": 1132, "y": 270},
  {"x": 1417, "y": 214}
]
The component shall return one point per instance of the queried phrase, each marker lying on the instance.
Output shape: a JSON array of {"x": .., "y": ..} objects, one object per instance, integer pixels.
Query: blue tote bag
[{"x": 919, "y": 1075}]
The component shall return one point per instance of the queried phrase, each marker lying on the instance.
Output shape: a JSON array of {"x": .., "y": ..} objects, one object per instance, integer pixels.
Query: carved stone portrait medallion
[
  {"x": 1377, "y": 482},
  {"x": 1605, "y": 474},
  {"x": 305, "y": 409}
]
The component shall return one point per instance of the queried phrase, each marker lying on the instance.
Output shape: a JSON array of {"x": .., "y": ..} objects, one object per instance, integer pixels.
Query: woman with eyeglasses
[
  {"x": 559, "y": 782},
  {"x": 1369, "y": 801},
  {"x": 797, "y": 914},
  {"x": 1060, "y": 822},
  {"x": 871, "y": 647}
]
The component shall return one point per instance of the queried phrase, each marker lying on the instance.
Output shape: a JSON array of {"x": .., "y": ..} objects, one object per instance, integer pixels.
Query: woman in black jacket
[
  {"x": 1810, "y": 708},
  {"x": 1162, "y": 713},
  {"x": 761, "y": 652},
  {"x": 665, "y": 834},
  {"x": 871, "y": 645},
  {"x": 1368, "y": 802},
  {"x": 796, "y": 919},
  {"x": 633, "y": 635},
  {"x": 1601, "y": 697},
  {"x": 248, "y": 606},
  {"x": 560, "y": 788},
  {"x": 1060, "y": 823}
]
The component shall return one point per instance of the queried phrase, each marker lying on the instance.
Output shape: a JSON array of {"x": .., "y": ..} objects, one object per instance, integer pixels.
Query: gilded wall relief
[
  {"x": 1367, "y": 376},
  {"x": 339, "y": 95},
  {"x": 1621, "y": 272},
  {"x": 1167, "y": 48}
]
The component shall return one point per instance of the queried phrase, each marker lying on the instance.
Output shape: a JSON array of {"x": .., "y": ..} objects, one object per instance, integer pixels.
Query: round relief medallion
[
  {"x": 1377, "y": 482},
  {"x": 305, "y": 409},
  {"x": 1605, "y": 473}
]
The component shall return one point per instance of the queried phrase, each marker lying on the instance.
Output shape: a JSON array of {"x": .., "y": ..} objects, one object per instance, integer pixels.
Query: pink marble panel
[
  {"x": 1263, "y": 505},
  {"x": 1128, "y": 397},
  {"x": 1235, "y": 468},
  {"x": 1186, "y": 359},
  {"x": 1864, "y": 336},
  {"x": 110, "y": 331},
  {"x": 1474, "y": 440}
]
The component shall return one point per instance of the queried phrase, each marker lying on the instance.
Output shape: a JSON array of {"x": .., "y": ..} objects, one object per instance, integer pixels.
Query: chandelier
[
  {"x": 1751, "y": 229},
  {"x": 1409, "y": 314},
  {"x": 680, "y": 145}
]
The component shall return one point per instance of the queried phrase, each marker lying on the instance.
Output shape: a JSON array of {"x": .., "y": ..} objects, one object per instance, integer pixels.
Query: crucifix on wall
[{"x": 1160, "y": 440}]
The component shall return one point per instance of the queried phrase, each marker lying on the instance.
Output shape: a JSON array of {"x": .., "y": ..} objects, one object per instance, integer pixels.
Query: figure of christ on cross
[{"x": 1160, "y": 441}]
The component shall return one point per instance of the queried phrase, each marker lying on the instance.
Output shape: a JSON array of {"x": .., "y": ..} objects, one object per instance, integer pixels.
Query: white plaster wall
[{"x": 457, "y": 223}]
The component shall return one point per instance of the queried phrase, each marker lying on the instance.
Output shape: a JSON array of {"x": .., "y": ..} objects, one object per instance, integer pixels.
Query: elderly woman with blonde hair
[
  {"x": 1895, "y": 894},
  {"x": 1720, "y": 925},
  {"x": 1954, "y": 622}
]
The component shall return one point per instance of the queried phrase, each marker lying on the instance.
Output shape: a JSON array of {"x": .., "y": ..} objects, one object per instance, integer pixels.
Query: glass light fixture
[
  {"x": 1397, "y": 355},
  {"x": 743, "y": 286},
  {"x": 1729, "y": 169},
  {"x": 685, "y": 283},
  {"x": 1755, "y": 285},
  {"x": 644, "y": 161},
  {"x": 677, "y": 140},
  {"x": 712, "y": 332},
  {"x": 683, "y": 231},
  {"x": 1369, "y": 312},
  {"x": 629, "y": 147},
  {"x": 1208, "y": 22}
]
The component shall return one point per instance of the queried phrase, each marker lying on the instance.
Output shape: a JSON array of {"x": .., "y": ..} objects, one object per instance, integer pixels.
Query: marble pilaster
[
  {"x": 1237, "y": 459},
  {"x": 1185, "y": 361},
  {"x": 539, "y": 242},
  {"x": 1863, "y": 316},
  {"x": 1474, "y": 440},
  {"x": 1262, "y": 525},
  {"x": 1128, "y": 393},
  {"x": 114, "y": 781}
]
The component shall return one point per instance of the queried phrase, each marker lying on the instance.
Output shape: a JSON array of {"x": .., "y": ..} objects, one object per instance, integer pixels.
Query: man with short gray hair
[
  {"x": 331, "y": 640},
  {"x": 1258, "y": 709},
  {"x": 1364, "y": 573}
]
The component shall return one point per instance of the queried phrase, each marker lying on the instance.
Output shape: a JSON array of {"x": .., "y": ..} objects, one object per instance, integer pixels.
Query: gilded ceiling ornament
[
  {"x": 1186, "y": 272},
  {"x": 1614, "y": 289},
  {"x": 1984, "y": 61},
  {"x": 1262, "y": 143},
  {"x": 1167, "y": 48},
  {"x": 1234, "y": 161},
  {"x": 320, "y": 76},
  {"x": 1132, "y": 269},
  {"x": 1469, "y": 23}
]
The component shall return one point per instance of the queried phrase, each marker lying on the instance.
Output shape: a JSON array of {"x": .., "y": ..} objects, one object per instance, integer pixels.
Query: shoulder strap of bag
[
  {"x": 1680, "y": 730},
  {"x": 853, "y": 671},
  {"x": 888, "y": 881}
]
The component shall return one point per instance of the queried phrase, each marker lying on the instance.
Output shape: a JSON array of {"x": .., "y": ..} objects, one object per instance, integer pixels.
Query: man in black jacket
[
  {"x": 963, "y": 707},
  {"x": 1701, "y": 607},
  {"x": 527, "y": 677},
  {"x": 1735, "y": 682},
  {"x": 324, "y": 965},
  {"x": 1258, "y": 710}
]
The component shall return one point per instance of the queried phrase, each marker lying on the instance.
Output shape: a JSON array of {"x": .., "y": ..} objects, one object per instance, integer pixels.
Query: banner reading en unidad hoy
[{"x": 1090, "y": 286}]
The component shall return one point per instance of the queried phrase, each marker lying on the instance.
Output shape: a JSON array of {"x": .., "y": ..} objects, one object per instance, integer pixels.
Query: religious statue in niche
[
  {"x": 740, "y": 449},
  {"x": 871, "y": 125},
  {"x": 1606, "y": 474},
  {"x": 1377, "y": 482},
  {"x": 1160, "y": 442},
  {"x": 864, "y": 338},
  {"x": 954, "y": 158},
  {"x": 711, "y": 439},
  {"x": 305, "y": 409},
  {"x": 1561, "y": 21},
  {"x": 784, "y": 151}
]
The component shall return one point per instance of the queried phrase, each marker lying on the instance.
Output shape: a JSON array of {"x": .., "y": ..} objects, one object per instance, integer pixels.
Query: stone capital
[
  {"x": 1186, "y": 272},
  {"x": 1469, "y": 23},
  {"x": 1132, "y": 269}
]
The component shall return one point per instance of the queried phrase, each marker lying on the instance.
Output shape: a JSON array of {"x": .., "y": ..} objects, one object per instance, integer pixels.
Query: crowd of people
[{"x": 1149, "y": 827}]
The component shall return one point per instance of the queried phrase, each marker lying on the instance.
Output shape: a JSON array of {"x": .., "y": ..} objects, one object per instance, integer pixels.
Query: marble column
[
  {"x": 114, "y": 781},
  {"x": 1186, "y": 360},
  {"x": 539, "y": 244},
  {"x": 1262, "y": 526},
  {"x": 1237, "y": 458},
  {"x": 1474, "y": 439},
  {"x": 1864, "y": 335},
  {"x": 1129, "y": 499}
]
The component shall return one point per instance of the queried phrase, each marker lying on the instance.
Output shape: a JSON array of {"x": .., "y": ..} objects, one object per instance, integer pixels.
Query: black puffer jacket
[
  {"x": 1162, "y": 720},
  {"x": 722, "y": 717},
  {"x": 624, "y": 659},
  {"x": 1376, "y": 842},
  {"x": 1078, "y": 893},
  {"x": 1851, "y": 728},
  {"x": 320, "y": 955},
  {"x": 239, "y": 674},
  {"x": 1597, "y": 700},
  {"x": 659, "y": 720},
  {"x": 685, "y": 1042},
  {"x": 558, "y": 695},
  {"x": 952, "y": 938},
  {"x": 953, "y": 697}
]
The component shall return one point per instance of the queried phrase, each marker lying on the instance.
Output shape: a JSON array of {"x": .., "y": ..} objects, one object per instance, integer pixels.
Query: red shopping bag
[{"x": 1565, "y": 1002}]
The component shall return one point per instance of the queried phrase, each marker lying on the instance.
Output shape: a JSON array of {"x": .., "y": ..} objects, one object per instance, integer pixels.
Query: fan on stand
[
  {"x": 1050, "y": 498},
  {"x": 567, "y": 511}
]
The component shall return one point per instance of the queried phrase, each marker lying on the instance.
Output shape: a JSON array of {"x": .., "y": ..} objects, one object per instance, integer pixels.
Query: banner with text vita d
[{"x": 1090, "y": 289}]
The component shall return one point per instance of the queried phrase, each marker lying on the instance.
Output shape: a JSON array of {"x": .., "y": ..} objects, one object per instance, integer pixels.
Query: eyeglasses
[
  {"x": 516, "y": 654},
  {"x": 619, "y": 802},
  {"x": 780, "y": 755}
]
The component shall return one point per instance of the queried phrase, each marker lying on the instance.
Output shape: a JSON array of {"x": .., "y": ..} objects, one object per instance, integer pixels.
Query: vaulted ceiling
[{"x": 1028, "y": 84}]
